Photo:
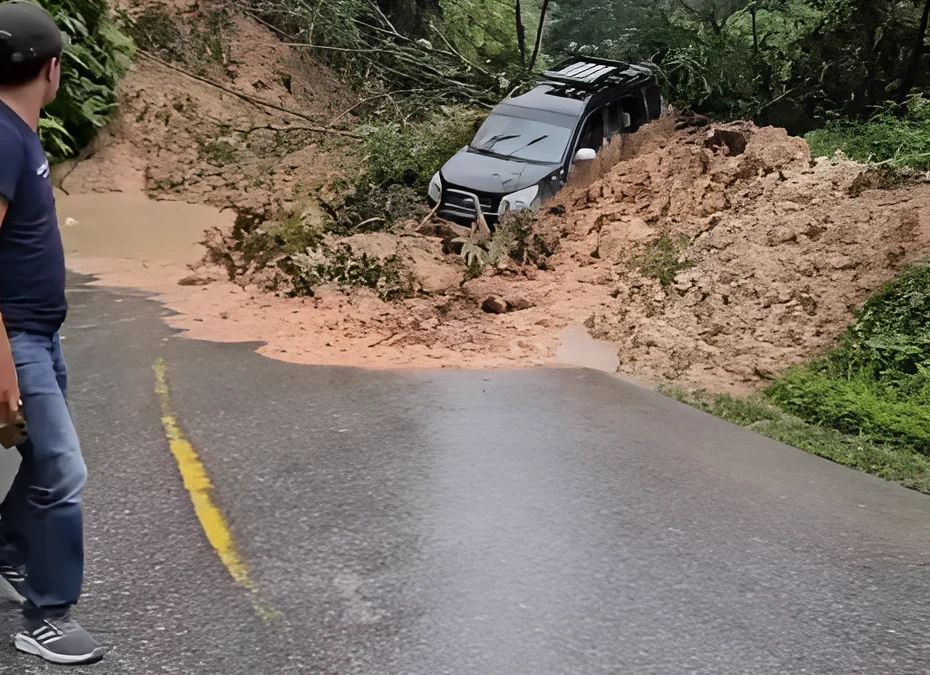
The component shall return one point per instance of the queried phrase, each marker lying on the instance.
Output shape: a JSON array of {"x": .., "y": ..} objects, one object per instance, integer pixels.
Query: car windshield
[{"x": 523, "y": 139}]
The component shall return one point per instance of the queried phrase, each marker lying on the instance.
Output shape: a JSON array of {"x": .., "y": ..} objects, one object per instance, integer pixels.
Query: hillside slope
[{"x": 711, "y": 256}]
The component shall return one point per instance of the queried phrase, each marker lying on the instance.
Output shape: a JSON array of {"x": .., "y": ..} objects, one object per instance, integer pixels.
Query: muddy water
[
  {"x": 579, "y": 349},
  {"x": 130, "y": 225}
]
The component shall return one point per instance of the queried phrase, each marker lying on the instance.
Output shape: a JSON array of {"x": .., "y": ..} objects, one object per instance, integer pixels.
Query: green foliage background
[
  {"x": 887, "y": 137},
  {"x": 792, "y": 63},
  {"x": 97, "y": 54}
]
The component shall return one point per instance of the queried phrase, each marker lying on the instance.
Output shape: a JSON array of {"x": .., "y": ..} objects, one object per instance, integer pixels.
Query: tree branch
[
  {"x": 300, "y": 127},
  {"x": 217, "y": 85}
]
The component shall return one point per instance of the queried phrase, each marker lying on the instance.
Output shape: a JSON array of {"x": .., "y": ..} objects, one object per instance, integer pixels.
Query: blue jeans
[{"x": 40, "y": 519}]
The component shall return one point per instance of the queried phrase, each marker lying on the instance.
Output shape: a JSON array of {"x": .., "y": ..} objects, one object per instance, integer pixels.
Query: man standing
[{"x": 41, "y": 530}]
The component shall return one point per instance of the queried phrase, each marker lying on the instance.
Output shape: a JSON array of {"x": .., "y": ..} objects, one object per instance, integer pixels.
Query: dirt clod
[{"x": 494, "y": 304}]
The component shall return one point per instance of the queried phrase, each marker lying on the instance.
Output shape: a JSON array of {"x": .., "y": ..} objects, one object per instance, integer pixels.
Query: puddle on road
[
  {"x": 130, "y": 225},
  {"x": 579, "y": 349}
]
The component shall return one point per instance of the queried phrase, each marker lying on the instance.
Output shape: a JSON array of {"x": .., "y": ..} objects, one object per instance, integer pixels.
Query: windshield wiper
[
  {"x": 533, "y": 142},
  {"x": 494, "y": 140}
]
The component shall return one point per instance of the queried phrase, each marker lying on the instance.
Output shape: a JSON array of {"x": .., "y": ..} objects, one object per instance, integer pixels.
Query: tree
[
  {"x": 96, "y": 56},
  {"x": 913, "y": 64}
]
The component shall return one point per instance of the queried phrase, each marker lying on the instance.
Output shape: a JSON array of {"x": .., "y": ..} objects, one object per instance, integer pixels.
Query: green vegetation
[
  {"x": 400, "y": 161},
  {"x": 867, "y": 403},
  {"x": 663, "y": 259},
  {"x": 407, "y": 57},
  {"x": 339, "y": 264},
  {"x": 792, "y": 63},
  {"x": 888, "y": 137},
  {"x": 410, "y": 155},
  {"x": 877, "y": 381},
  {"x": 514, "y": 240},
  {"x": 862, "y": 452},
  {"x": 96, "y": 56}
]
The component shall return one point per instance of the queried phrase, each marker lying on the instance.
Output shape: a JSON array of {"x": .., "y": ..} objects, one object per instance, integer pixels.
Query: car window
[
  {"x": 527, "y": 140},
  {"x": 592, "y": 135},
  {"x": 626, "y": 115}
]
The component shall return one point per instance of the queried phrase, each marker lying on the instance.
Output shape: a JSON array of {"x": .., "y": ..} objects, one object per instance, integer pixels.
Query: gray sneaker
[
  {"x": 58, "y": 640},
  {"x": 15, "y": 577}
]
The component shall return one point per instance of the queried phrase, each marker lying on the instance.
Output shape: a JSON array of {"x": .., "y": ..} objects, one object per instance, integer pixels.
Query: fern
[{"x": 96, "y": 56}]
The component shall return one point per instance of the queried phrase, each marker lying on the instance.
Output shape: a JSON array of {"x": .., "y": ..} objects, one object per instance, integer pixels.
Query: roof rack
[{"x": 584, "y": 75}]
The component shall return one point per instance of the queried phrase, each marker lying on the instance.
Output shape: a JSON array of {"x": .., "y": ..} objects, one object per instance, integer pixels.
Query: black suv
[{"x": 523, "y": 152}]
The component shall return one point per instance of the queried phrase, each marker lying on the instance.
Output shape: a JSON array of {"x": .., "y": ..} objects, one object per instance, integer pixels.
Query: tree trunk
[
  {"x": 539, "y": 33},
  {"x": 521, "y": 32},
  {"x": 913, "y": 66}
]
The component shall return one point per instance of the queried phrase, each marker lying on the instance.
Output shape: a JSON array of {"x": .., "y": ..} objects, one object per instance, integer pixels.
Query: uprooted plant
[
  {"x": 514, "y": 240},
  {"x": 337, "y": 263}
]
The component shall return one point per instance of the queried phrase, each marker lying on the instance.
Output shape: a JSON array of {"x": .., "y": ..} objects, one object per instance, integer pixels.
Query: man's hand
[
  {"x": 9, "y": 382},
  {"x": 9, "y": 385}
]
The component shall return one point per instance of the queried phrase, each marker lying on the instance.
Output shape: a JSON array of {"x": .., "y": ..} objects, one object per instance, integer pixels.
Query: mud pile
[
  {"x": 200, "y": 137},
  {"x": 769, "y": 250},
  {"x": 712, "y": 257}
]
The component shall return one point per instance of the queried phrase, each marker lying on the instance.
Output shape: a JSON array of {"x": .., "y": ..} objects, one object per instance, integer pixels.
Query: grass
[
  {"x": 887, "y": 138},
  {"x": 866, "y": 404},
  {"x": 663, "y": 259},
  {"x": 901, "y": 465}
]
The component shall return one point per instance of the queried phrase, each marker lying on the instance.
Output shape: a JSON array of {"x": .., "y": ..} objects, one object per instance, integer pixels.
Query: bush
[
  {"x": 339, "y": 264},
  {"x": 886, "y": 138},
  {"x": 891, "y": 462},
  {"x": 855, "y": 406},
  {"x": 867, "y": 403},
  {"x": 877, "y": 380},
  {"x": 410, "y": 156},
  {"x": 96, "y": 56},
  {"x": 371, "y": 208},
  {"x": 663, "y": 259}
]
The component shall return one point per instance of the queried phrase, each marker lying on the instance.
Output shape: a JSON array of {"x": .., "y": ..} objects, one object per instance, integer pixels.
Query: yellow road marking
[{"x": 200, "y": 489}]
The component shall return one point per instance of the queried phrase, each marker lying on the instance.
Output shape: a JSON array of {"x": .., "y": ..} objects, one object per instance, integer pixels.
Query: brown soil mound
[
  {"x": 712, "y": 257},
  {"x": 769, "y": 251},
  {"x": 182, "y": 138}
]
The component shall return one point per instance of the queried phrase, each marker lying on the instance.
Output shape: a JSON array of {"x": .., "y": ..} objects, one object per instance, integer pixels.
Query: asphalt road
[{"x": 546, "y": 522}]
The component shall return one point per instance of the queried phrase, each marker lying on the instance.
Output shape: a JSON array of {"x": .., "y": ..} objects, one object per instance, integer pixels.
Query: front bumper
[{"x": 460, "y": 204}]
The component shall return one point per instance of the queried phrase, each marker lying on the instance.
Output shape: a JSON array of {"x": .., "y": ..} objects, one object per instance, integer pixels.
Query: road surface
[{"x": 545, "y": 522}]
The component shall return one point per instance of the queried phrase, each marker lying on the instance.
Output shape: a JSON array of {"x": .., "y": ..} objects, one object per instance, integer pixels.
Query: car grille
[{"x": 461, "y": 203}]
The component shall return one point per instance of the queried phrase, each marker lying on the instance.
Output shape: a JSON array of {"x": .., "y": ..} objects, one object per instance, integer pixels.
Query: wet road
[{"x": 548, "y": 522}]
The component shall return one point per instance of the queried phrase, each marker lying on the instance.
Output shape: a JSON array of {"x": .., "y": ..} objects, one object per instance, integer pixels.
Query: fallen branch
[
  {"x": 372, "y": 98},
  {"x": 217, "y": 85},
  {"x": 370, "y": 221},
  {"x": 389, "y": 337},
  {"x": 428, "y": 217},
  {"x": 301, "y": 127}
]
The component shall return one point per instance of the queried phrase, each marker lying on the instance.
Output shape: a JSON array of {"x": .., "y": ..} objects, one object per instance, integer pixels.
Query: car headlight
[
  {"x": 522, "y": 199},
  {"x": 435, "y": 188}
]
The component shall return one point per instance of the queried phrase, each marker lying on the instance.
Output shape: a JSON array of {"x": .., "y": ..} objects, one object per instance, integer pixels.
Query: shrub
[
  {"x": 410, "y": 156},
  {"x": 877, "y": 380},
  {"x": 857, "y": 406},
  {"x": 892, "y": 330},
  {"x": 889, "y": 461},
  {"x": 663, "y": 259},
  {"x": 96, "y": 56},
  {"x": 339, "y": 264},
  {"x": 887, "y": 137}
]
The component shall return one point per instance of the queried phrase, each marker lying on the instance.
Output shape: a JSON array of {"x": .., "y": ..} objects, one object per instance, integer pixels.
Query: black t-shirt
[{"x": 32, "y": 258}]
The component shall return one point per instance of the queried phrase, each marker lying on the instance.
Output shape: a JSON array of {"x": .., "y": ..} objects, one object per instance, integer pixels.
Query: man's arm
[{"x": 9, "y": 383}]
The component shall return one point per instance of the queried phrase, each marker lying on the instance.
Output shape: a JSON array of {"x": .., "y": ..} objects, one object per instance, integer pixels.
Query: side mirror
[{"x": 584, "y": 155}]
